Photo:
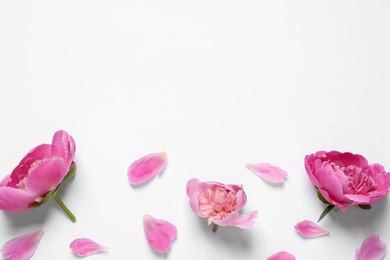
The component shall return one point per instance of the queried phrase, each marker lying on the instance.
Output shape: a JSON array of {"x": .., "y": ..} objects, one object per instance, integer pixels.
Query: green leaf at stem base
[
  {"x": 319, "y": 195},
  {"x": 54, "y": 195},
  {"x": 364, "y": 206},
  {"x": 326, "y": 211},
  {"x": 215, "y": 228}
]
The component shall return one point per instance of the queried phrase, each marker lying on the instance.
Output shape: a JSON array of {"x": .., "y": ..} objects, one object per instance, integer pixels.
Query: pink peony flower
[
  {"x": 219, "y": 203},
  {"x": 38, "y": 175},
  {"x": 346, "y": 179}
]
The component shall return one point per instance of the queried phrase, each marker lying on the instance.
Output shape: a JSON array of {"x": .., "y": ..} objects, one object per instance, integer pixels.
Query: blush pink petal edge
[
  {"x": 13, "y": 200},
  {"x": 372, "y": 248},
  {"x": 22, "y": 247},
  {"x": 268, "y": 172},
  {"x": 159, "y": 233},
  {"x": 243, "y": 221},
  {"x": 309, "y": 229},
  {"x": 146, "y": 167},
  {"x": 86, "y": 246},
  {"x": 282, "y": 255}
]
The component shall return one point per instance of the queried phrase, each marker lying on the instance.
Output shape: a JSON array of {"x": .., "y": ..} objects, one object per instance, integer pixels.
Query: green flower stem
[
  {"x": 215, "y": 228},
  {"x": 63, "y": 206}
]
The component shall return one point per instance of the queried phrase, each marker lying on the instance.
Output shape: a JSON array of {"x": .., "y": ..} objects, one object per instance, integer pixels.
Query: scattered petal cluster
[
  {"x": 219, "y": 203},
  {"x": 341, "y": 179}
]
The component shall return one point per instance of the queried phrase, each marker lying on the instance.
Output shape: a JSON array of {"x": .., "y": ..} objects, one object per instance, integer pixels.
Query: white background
[{"x": 215, "y": 84}]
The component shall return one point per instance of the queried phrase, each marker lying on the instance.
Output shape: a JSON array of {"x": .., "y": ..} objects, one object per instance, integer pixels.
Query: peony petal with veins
[
  {"x": 268, "y": 172},
  {"x": 22, "y": 247},
  {"x": 372, "y": 248},
  {"x": 146, "y": 167},
  {"x": 309, "y": 229},
  {"x": 159, "y": 233},
  {"x": 85, "y": 246}
]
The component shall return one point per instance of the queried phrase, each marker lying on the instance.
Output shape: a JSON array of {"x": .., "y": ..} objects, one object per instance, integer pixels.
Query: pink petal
[
  {"x": 192, "y": 186},
  {"x": 46, "y": 177},
  {"x": 358, "y": 198},
  {"x": 4, "y": 182},
  {"x": 85, "y": 246},
  {"x": 243, "y": 221},
  {"x": 12, "y": 199},
  {"x": 241, "y": 199},
  {"x": 372, "y": 248},
  {"x": 282, "y": 255},
  {"x": 63, "y": 146},
  {"x": 146, "y": 167},
  {"x": 22, "y": 169},
  {"x": 159, "y": 233},
  {"x": 310, "y": 229},
  {"x": 331, "y": 188},
  {"x": 268, "y": 172},
  {"x": 22, "y": 247}
]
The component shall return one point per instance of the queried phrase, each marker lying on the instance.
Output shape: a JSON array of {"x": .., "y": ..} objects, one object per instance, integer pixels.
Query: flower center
[
  {"x": 216, "y": 203},
  {"x": 33, "y": 166},
  {"x": 358, "y": 180}
]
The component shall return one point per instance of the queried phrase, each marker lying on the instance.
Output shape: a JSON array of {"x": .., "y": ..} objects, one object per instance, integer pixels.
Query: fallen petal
[
  {"x": 282, "y": 255},
  {"x": 159, "y": 233},
  {"x": 146, "y": 167},
  {"x": 310, "y": 229},
  {"x": 268, "y": 172},
  {"x": 22, "y": 247},
  {"x": 85, "y": 246},
  {"x": 372, "y": 248}
]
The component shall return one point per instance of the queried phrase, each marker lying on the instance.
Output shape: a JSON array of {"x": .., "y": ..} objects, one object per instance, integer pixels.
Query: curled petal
[
  {"x": 146, "y": 167},
  {"x": 63, "y": 146},
  {"x": 85, "y": 246},
  {"x": 4, "y": 182},
  {"x": 282, "y": 255},
  {"x": 21, "y": 170},
  {"x": 331, "y": 188},
  {"x": 159, "y": 233},
  {"x": 358, "y": 199},
  {"x": 22, "y": 247},
  {"x": 46, "y": 177},
  {"x": 14, "y": 199},
  {"x": 372, "y": 248},
  {"x": 192, "y": 186},
  {"x": 268, "y": 172},
  {"x": 310, "y": 229},
  {"x": 243, "y": 221}
]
